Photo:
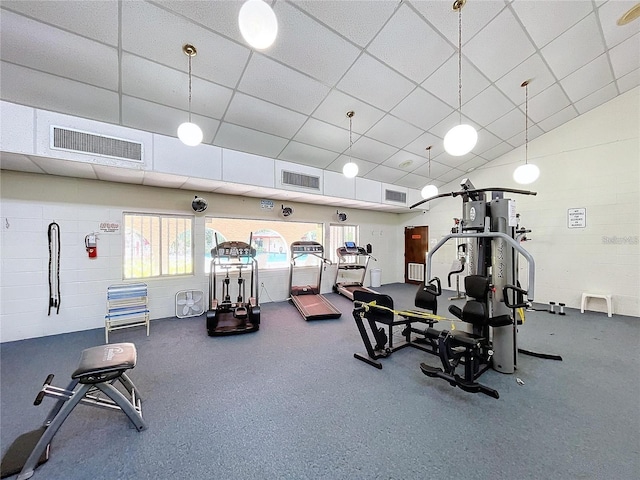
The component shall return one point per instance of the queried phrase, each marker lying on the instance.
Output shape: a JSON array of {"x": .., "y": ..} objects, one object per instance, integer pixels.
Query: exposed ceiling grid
[{"x": 393, "y": 62}]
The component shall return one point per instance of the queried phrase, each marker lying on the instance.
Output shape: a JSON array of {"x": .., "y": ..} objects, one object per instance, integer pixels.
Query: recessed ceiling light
[
  {"x": 630, "y": 16},
  {"x": 406, "y": 163}
]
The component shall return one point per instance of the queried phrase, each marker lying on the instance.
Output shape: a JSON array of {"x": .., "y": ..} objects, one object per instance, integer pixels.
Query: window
[
  {"x": 338, "y": 234},
  {"x": 270, "y": 238},
  {"x": 157, "y": 245}
]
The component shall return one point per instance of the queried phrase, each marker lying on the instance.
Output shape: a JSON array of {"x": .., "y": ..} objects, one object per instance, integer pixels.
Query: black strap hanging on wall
[{"x": 54, "y": 267}]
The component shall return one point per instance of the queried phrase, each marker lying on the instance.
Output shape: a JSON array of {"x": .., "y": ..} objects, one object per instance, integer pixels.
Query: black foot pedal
[
  {"x": 430, "y": 371},
  {"x": 241, "y": 313},
  {"x": 19, "y": 451}
]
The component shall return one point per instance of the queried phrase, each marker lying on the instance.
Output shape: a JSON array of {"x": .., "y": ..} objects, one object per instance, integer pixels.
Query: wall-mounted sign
[
  {"x": 109, "y": 227},
  {"x": 266, "y": 204},
  {"x": 577, "y": 218}
]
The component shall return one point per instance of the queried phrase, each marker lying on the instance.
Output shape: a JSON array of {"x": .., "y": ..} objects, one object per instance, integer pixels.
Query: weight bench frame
[{"x": 94, "y": 379}]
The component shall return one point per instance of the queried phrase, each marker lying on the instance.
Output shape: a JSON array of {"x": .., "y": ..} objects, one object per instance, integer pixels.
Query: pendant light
[
  {"x": 527, "y": 173},
  {"x": 258, "y": 24},
  {"x": 350, "y": 169},
  {"x": 461, "y": 139},
  {"x": 190, "y": 133},
  {"x": 429, "y": 190}
]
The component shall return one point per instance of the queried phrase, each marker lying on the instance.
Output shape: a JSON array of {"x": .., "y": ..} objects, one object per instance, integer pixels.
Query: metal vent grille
[
  {"x": 76, "y": 141},
  {"x": 415, "y": 271},
  {"x": 393, "y": 196},
  {"x": 300, "y": 180}
]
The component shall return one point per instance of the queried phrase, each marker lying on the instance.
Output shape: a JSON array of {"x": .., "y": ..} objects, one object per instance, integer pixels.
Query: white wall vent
[
  {"x": 300, "y": 180},
  {"x": 394, "y": 196},
  {"x": 415, "y": 272},
  {"x": 104, "y": 146}
]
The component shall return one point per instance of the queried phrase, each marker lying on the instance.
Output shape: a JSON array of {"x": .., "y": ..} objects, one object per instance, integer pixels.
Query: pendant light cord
[
  {"x": 526, "y": 122},
  {"x": 460, "y": 61},
  {"x": 189, "y": 87},
  {"x": 429, "y": 151}
]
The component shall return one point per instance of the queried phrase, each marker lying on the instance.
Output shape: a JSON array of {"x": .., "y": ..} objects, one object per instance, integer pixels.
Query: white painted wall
[
  {"x": 591, "y": 162},
  {"x": 30, "y": 202}
]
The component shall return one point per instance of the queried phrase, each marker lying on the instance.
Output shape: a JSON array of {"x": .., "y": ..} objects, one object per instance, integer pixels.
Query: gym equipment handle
[
  {"x": 505, "y": 295},
  {"x": 41, "y": 393}
]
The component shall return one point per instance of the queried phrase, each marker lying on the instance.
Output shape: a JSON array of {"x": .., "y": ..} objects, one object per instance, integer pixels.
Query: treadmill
[
  {"x": 352, "y": 258},
  {"x": 307, "y": 298}
]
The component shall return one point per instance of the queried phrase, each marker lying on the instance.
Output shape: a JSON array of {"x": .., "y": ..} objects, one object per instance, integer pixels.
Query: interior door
[{"x": 416, "y": 246}]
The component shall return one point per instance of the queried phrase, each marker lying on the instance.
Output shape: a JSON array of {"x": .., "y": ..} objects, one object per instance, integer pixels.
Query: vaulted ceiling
[{"x": 394, "y": 63}]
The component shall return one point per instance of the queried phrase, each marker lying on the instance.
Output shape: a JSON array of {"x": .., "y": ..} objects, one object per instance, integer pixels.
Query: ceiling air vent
[
  {"x": 83, "y": 142},
  {"x": 393, "y": 196},
  {"x": 300, "y": 180}
]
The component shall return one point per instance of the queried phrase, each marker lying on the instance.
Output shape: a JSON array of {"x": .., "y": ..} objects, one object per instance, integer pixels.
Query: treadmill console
[
  {"x": 350, "y": 247},
  {"x": 306, "y": 247},
  {"x": 233, "y": 250}
]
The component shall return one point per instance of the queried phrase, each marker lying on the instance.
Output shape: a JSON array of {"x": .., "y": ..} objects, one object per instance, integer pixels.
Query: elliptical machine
[{"x": 227, "y": 317}]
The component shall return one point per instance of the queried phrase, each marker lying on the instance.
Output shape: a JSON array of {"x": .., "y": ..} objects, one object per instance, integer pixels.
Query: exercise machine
[
  {"x": 307, "y": 298},
  {"x": 241, "y": 315},
  {"x": 95, "y": 382},
  {"x": 352, "y": 258}
]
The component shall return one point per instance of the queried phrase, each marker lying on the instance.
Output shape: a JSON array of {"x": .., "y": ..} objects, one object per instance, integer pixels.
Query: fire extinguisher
[{"x": 91, "y": 245}]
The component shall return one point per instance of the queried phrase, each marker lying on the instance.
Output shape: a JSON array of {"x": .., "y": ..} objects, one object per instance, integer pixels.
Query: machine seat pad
[
  {"x": 379, "y": 315},
  {"x": 475, "y": 313},
  {"x": 500, "y": 321},
  {"x": 105, "y": 362}
]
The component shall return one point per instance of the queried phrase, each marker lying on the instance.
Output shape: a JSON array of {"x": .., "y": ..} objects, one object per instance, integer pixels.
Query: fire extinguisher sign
[{"x": 109, "y": 227}]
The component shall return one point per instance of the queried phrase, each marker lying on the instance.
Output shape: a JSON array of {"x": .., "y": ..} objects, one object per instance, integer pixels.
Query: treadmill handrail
[{"x": 505, "y": 237}]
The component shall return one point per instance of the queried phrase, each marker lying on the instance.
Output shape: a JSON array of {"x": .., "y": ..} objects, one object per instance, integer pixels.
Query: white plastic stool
[{"x": 607, "y": 297}]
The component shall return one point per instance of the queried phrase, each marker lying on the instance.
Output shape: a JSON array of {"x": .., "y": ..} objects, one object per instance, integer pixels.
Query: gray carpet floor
[{"x": 291, "y": 402}]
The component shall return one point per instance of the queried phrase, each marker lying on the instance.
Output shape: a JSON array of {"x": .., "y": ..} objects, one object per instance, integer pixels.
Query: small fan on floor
[{"x": 189, "y": 303}]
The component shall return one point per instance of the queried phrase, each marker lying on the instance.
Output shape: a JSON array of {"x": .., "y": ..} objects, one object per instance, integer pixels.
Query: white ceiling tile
[
  {"x": 451, "y": 161},
  {"x": 218, "y": 60},
  {"x": 394, "y": 131},
  {"x": 588, "y": 79},
  {"x": 97, "y": 19},
  {"x": 21, "y": 163},
  {"x": 49, "y": 92},
  {"x": 157, "y": 83},
  {"x": 545, "y": 20},
  {"x": 497, "y": 151},
  {"x": 475, "y": 15},
  {"x": 357, "y": 20},
  {"x": 582, "y": 40},
  {"x": 473, "y": 164},
  {"x": 486, "y": 141},
  {"x": 153, "y": 117},
  {"x": 410, "y": 46},
  {"x": 335, "y": 106},
  {"x": 533, "y": 69},
  {"x": 453, "y": 174},
  {"x": 274, "y": 82},
  {"x": 325, "y": 135},
  {"x": 422, "y": 109},
  {"x": 250, "y": 141},
  {"x": 487, "y": 106},
  {"x": 413, "y": 181},
  {"x": 48, "y": 49},
  {"x": 629, "y": 81},
  {"x": 385, "y": 174},
  {"x": 557, "y": 119},
  {"x": 419, "y": 145},
  {"x": 625, "y": 57},
  {"x": 307, "y": 155},
  {"x": 372, "y": 150},
  {"x": 266, "y": 117},
  {"x": 399, "y": 159},
  {"x": 437, "y": 169},
  {"x": 508, "y": 44},
  {"x": 596, "y": 98},
  {"x": 309, "y": 47},
  {"x": 443, "y": 84},
  {"x": 520, "y": 138},
  {"x": 609, "y": 13},
  {"x": 371, "y": 81},
  {"x": 220, "y": 15},
  {"x": 547, "y": 103},
  {"x": 364, "y": 167},
  {"x": 508, "y": 124}
]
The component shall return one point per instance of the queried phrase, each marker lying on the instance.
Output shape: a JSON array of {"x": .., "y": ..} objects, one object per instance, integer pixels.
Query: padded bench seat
[{"x": 105, "y": 362}]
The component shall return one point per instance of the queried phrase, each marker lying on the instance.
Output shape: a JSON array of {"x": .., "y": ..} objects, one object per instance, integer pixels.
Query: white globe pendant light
[
  {"x": 189, "y": 133},
  {"x": 429, "y": 190},
  {"x": 527, "y": 173},
  {"x": 461, "y": 139},
  {"x": 258, "y": 24},
  {"x": 350, "y": 169}
]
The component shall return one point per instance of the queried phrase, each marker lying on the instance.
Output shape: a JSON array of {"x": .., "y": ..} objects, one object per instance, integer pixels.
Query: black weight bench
[{"x": 94, "y": 379}]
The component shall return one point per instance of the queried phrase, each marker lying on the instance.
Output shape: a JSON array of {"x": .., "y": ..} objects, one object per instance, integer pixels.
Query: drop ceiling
[{"x": 394, "y": 63}]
